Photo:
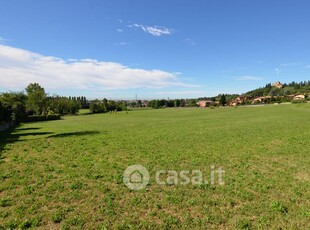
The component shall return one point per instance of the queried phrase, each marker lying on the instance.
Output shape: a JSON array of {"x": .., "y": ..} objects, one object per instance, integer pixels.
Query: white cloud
[
  {"x": 278, "y": 71},
  {"x": 153, "y": 30},
  {"x": 249, "y": 78},
  {"x": 20, "y": 67},
  {"x": 119, "y": 30}
]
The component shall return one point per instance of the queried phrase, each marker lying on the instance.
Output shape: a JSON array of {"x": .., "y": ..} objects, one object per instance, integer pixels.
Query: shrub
[
  {"x": 299, "y": 101},
  {"x": 53, "y": 117},
  {"x": 49, "y": 117}
]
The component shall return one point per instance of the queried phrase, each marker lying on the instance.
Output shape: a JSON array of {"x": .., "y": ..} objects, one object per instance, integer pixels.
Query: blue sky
[{"x": 155, "y": 49}]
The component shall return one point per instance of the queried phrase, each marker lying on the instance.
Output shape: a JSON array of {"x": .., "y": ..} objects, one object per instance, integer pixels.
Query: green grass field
[{"x": 68, "y": 174}]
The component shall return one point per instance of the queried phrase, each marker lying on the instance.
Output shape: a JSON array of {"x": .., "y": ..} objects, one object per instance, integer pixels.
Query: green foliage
[
  {"x": 156, "y": 104},
  {"x": 36, "y": 98},
  {"x": 292, "y": 88},
  {"x": 2, "y": 111},
  {"x": 223, "y": 100},
  {"x": 49, "y": 117},
  {"x": 63, "y": 105},
  {"x": 97, "y": 106},
  {"x": 4, "y": 202},
  {"x": 278, "y": 207},
  {"x": 299, "y": 101},
  {"x": 69, "y": 171},
  {"x": 12, "y": 106},
  {"x": 58, "y": 216},
  {"x": 243, "y": 224}
]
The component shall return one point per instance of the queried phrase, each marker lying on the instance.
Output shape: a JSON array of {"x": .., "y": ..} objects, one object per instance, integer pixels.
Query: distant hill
[
  {"x": 278, "y": 89},
  {"x": 277, "y": 92}
]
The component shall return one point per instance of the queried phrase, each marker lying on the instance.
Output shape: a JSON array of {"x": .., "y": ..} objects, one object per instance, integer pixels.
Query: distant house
[
  {"x": 237, "y": 101},
  {"x": 204, "y": 103},
  {"x": 299, "y": 97},
  {"x": 277, "y": 84},
  {"x": 261, "y": 99},
  {"x": 291, "y": 96}
]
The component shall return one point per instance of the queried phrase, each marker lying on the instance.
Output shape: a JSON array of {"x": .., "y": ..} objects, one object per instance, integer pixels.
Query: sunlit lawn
[{"x": 68, "y": 173}]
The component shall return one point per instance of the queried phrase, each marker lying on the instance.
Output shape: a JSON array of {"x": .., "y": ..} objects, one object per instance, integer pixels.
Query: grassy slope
[{"x": 70, "y": 171}]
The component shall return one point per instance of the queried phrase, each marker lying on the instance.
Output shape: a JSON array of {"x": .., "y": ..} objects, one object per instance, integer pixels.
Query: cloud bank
[
  {"x": 18, "y": 67},
  {"x": 153, "y": 30}
]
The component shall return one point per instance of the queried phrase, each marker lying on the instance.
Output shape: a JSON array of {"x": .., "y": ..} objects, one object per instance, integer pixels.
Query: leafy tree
[
  {"x": 1, "y": 112},
  {"x": 274, "y": 92},
  {"x": 97, "y": 106},
  {"x": 156, "y": 105},
  {"x": 62, "y": 105},
  {"x": 223, "y": 100},
  {"x": 176, "y": 103},
  {"x": 191, "y": 103},
  {"x": 182, "y": 103},
  {"x": 13, "y": 106},
  {"x": 36, "y": 98},
  {"x": 105, "y": 104}
]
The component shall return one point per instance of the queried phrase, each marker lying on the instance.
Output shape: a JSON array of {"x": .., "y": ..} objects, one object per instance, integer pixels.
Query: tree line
[
  {"x": 292, "y": 88},
  {"x": 18, "y": 106},
  {"x": 103, "y": 106},
  {"x": 156, "y": 104}
]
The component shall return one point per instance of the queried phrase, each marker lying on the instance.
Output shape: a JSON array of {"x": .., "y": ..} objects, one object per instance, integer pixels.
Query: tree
[
  {"x": 223, "y": 100},
  {"x": 1, "y": 112},
  {"x": 182, "y": 103},
  {"x": 94, "y": 106},
  {"x": 36, "y": 98},
  {"x": 274, "y": 92},
  {"x": 156, "y": 104},
  {"x": 176, "y": 103},
  {"x": 111, "y": 105},
  {"x": 105, "y": 104},
  {"x": 13, "y": 106}
]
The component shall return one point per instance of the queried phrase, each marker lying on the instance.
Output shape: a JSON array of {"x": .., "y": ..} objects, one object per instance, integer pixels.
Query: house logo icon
[{"x": 136, "y": 177}]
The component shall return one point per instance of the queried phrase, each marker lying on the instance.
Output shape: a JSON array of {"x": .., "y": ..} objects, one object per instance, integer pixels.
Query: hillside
[
  {"x": 292, "y": 88},
  {"x": 274, "y": 93}
]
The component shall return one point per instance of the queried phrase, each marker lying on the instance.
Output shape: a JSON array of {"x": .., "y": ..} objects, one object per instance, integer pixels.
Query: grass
[{"x": 68, "y": 173}]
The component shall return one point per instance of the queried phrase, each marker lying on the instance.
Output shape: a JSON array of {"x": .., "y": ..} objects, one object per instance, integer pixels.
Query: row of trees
[
  {"x": 16, "y": 106},
  {"x": 222, "y": 99},
  {"x": 62, "y": 105},
  {"x": 38, "y": 102},
  {"x": 172, "y": 103},
  {"x": 12, "y": 106},
  {"x": 287, "y": 89},
  {"x": 103, "y": 106}
]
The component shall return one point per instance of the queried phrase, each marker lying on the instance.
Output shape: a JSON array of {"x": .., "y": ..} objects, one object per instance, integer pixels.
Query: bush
[
  {"x": 53, "y": 117},
  {"x": 299, "y": 101},
  {"x": 49, "y": 117}
]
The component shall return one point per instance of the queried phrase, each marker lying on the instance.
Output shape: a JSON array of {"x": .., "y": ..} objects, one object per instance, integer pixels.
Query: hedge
[
  {"x": 299, "y": 101},
  {"x": 49, "y": 117}
]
